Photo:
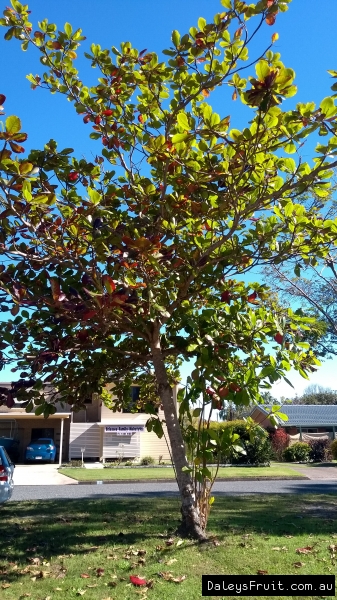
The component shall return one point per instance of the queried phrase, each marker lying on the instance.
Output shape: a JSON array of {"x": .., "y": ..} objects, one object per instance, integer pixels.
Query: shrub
[
  {"x": 147, "y": 460},
  {"x": 320, "y": 450},
  {"x": 258, "y": 448},
  {"x": 279, "y": 441},
  {"x": 258, "y": 452},
  {"x": 333, "y": 449},
  {"x": 298, "y": 452}
]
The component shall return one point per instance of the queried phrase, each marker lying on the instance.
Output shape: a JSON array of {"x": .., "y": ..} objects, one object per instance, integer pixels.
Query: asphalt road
[{"x": 127, "y": 490}]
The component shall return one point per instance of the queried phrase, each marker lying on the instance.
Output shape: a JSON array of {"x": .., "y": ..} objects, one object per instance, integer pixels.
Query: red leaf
[
  {"x": 2, "y": 99},
  {"x": 252, "y": 298},
  {"x": 109, "y": 284},
  {"x": 100, "y": 572},
  {"x": 279, "y": 338},
  {"x": 262, "y": 572},
  {"x": 226, "y": 296},
  {"x": 16, "y": 147},
  {"x": 137, "y": 580},
  {"x": 88, "y": 314},
  {"x": 270, "y": 19},
  {"x": 85, "y": 576}
]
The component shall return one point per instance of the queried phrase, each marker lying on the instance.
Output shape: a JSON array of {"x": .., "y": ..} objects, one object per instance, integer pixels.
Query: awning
[{"x": 16, "y": 416}]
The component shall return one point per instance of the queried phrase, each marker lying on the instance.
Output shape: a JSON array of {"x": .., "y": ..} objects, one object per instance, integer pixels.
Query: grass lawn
[
  {"x": 167, "y": 473},
  {"x": 66, "y": 549}
]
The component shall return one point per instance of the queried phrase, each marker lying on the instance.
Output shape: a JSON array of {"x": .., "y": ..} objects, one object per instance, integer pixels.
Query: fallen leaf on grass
[
  {"x": 289, "y": 536},
  {"x": 279, "y": 549},
  {"x": 171, "y": 561},
  {"x": 85, "y": 576},
  {"x": 112, "y": 557},
  {"x": 81, "y": 592},
  {"x": 99, "y": 572},
  {"x": 169, "y": 542},
  {"x": 298, "y": 565},
  {"x": 179, "y": 542},
  {"x": 36, "y": 560},
  {"x": 5, "y": 586},
  {"x": 306, "y": 550},
  {"x": 168, "y": 576},
  {"x": 332, "y": 548},
  {"x": 93, "y": 585},
  {"x": 262, "y": 572},
  {"x": 112, "y": 583},
  {"x": 137, "y": 580},
  {"x": 61, "y": 574}
]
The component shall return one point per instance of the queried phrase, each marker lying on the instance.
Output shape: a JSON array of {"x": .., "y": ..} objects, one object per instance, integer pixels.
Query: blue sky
[{"x": 307, "y": 44}]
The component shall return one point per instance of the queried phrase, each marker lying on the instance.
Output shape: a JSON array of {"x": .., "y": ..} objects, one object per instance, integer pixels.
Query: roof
[{"x": 307, "y": 415}]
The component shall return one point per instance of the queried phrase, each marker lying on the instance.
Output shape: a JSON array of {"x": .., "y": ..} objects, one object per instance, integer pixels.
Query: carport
[{"x": 28, "y": 423}]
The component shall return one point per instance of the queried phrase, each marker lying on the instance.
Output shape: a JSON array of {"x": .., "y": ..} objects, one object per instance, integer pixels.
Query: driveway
[
  {"x": 318, "y": 472},
  {"x": 39, "y": 474}
]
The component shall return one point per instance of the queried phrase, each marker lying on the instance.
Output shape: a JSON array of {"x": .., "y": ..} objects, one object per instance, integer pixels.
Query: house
[
  {"x": 97, "y": 431},
  {"x": 305, "y": 421}
]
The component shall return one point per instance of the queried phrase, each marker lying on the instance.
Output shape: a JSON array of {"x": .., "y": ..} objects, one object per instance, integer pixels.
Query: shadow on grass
[{"x": 50, "y": 529}]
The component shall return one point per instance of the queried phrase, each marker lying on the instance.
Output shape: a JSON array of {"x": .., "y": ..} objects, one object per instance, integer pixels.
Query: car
[
  {"x": 43, "y": 449},
  {"x": 6, "y": 476}
]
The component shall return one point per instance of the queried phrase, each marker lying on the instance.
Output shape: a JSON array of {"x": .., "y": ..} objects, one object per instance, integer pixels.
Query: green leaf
[
  {"x": 68, "y": 29},
  {"x": 202, "y": 23},
  {"x": 328, "y": 107},
  {"x": 297, "y": 270},
  {"x": 179, "y": 137},
  {"x": 290, "y": 148},
  {"x": 176, "y": 38},
  {"x": 262, "y": 69},
  {"x": 94, "y": 195},
  {"x": 13, "y": 124},
  {"x": 183, "y": 121}
]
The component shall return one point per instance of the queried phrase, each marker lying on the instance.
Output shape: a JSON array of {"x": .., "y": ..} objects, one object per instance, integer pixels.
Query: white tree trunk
[{"x": 191, "y": 519}]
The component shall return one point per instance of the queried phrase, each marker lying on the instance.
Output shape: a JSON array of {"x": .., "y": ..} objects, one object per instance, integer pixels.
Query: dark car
[
  {"x": 40, "y": 450},
  {"x": 6, "y": 476}
]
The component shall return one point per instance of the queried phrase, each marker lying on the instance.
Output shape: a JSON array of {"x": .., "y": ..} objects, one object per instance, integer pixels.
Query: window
[{"x": 134, "y": 399}]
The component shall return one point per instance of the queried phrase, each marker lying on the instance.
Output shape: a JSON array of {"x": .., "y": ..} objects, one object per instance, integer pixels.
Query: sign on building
[{"x": 124, "y": 429}]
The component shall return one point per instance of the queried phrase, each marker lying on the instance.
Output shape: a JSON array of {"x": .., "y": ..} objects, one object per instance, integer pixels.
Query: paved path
[
  {"x": 324, "y": 472},
  {"x": 127, "y": 490},
  {"x": 39, "y": 474}
]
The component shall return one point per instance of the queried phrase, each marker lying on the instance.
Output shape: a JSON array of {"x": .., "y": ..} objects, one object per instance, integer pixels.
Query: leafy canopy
[{"x": 105, "y": 260}]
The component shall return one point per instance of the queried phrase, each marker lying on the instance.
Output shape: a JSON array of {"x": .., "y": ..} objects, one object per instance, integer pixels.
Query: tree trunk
[{"x": 191, "y": 519}]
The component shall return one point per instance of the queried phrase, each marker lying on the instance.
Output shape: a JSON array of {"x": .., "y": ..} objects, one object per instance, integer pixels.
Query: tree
[
  {"x": 116, "y": 268},
  {"x": 314, "y": 287},
  {"x": 317, "y": 394}
]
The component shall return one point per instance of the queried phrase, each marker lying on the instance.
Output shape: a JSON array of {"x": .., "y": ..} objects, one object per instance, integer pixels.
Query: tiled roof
[{"x": 308, "y": 415}]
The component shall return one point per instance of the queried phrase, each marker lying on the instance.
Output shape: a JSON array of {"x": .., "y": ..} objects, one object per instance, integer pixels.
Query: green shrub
[
  {"x": 320, "y": 450},
  {"x": 147, "y": 460},
  {"x": 258, "y": 452},
  {"x": 258, "y": 449},
  {"x": 333, "y": 449},
  {"x": 298, "y": 452}
]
